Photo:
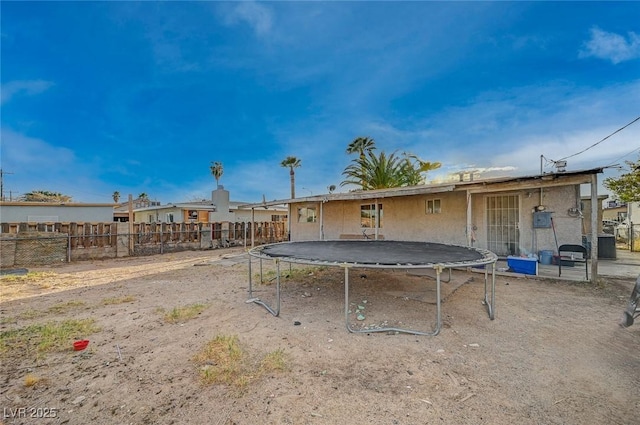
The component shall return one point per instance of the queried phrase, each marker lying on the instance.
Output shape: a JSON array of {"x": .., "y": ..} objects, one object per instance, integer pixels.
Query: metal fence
[
  {"x": 50, "y": 244},
  {"x": 628, "y": 237}
]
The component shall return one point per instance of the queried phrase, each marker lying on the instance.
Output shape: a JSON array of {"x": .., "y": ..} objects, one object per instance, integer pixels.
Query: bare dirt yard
[{"x": 173, "y": 341}]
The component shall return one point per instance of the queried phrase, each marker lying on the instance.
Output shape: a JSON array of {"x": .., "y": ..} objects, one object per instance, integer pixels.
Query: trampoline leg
[
  {"x": 275, "y": 312},
  {"x": 490, "y": 304},
  {"x": 438, "y": 324},
  {"x": 261, "y": 278}
]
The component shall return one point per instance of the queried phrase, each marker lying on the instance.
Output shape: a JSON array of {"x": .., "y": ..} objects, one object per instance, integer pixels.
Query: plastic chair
[{"x": 573, "y": 253}]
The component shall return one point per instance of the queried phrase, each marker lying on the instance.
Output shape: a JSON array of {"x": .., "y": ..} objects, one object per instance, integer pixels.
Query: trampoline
[{"x": 381, "y": 254}]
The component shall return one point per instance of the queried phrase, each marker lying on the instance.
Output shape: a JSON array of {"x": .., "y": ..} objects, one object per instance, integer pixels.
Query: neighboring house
[
  {"x": 615, "y": 211},
  {"x": 50, "y": 212},
  {"x": 218, "y": 209},
  {"x": 509, "y": 215},
  {"x": 586, "y": 214},
  {"x": 174, "y": 213},
  {"x": 121, "y": 210}
]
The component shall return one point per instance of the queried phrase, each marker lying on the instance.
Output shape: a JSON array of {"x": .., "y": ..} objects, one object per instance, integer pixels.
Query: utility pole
[{"x": 2, "y": 173}]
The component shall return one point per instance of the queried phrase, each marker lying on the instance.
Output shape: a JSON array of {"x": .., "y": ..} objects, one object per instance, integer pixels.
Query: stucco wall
[
  {"x": 55, "y": 213},
  {"x": 405, "y": 218}
]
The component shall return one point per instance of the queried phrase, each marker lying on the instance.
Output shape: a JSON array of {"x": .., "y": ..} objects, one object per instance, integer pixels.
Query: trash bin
[
  {"x": 546, "y": 256},
  {"x": 607, "y": 246}
]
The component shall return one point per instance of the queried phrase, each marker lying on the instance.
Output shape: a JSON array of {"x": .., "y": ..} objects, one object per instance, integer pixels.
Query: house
[
  {"x": 586, "y": 214},
  {"x": 121, "y": 210},
  {"x": 506, "y": 215},
  {"x": 615, "y": 211},
  {"x": 218, "y": 209},
  {"x": 52, "y": 212}
]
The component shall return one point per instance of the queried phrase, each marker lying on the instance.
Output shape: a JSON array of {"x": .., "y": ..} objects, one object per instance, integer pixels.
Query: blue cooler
[{"x": 522, "y": 265}]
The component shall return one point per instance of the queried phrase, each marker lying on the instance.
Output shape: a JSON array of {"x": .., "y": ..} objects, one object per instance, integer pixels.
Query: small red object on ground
[{"x": 80, "y": 345}]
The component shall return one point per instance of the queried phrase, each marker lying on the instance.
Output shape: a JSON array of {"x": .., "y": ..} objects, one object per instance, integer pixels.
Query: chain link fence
[{"x": 628, "y": 237}]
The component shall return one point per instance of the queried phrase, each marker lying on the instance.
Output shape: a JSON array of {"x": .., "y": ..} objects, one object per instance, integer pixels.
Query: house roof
[
  {"x": 51, "y": 204},
  {"x": 204, "y": 205},
  {"x": 473, "y": 186}
]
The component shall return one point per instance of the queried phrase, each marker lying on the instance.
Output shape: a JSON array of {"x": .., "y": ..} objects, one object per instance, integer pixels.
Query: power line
[
  {"x": 597, "y": 143},
  {"x": 623, "y": 156}
]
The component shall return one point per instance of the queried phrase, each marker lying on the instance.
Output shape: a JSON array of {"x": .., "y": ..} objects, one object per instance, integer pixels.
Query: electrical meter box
[{"x": 541, "y": 220}]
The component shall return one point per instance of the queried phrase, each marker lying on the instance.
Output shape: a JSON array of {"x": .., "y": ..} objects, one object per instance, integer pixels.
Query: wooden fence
[{"x": 25, "y": 244}]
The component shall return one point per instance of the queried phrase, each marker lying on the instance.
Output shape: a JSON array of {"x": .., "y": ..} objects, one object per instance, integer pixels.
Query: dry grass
[
  {"x": 118, "y": 300},
  {"x": 31, "y": 277},
  {"x": 31, "y": 380},
  {"x": 66, "y": 307},
  {"x": 223, "y": 361},
  {"x": 46, "y": 337},
  {"x": 184, "y": 313}
]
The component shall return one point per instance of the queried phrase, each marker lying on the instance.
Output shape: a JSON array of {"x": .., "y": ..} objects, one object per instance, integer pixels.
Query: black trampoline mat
[{"x": 377, "y": 252}]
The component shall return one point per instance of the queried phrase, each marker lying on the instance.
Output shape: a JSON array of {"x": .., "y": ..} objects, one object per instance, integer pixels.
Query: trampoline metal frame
[{"x": 489, "y": 259}]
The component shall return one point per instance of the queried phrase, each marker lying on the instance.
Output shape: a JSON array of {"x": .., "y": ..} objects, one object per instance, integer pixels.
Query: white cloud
[
  {"x": 24, "y": 151},
  {"x": 28, "y": 87},
  {"x": 611, "y": 46},
  {"x": 257, "y": 16}
]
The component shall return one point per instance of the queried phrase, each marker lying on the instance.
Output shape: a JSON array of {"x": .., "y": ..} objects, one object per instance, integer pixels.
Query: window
[
  {"x": 193, "y": 214},
  {"x": 151, "y": 217},
  {"x": 368, "y": 215},
  {"x": 169, "y": 217},
  {"x": 307, "y": 215},
  {"x": 433, "y": 206},
  {"x": 277, "y": 217}
]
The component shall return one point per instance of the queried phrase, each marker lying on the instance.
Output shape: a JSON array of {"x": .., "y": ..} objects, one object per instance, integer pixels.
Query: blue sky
[{"x": 139, "y": 97}]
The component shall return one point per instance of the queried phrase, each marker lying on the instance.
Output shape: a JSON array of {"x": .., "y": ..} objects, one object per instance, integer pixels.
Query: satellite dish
[{"x": 332, "y": 188}]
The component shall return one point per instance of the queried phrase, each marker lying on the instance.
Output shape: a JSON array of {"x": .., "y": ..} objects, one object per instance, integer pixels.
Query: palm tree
[
  {"x": 376, "y": 172},
  {"x": 383, "y": 171},
  {"x": 116, "y": 196},
  {"x": 414, "y": 167},
  {"x": 216, "y": 170},
  {"x": 144, "y": 198},
  {"x": 292, "y": 162},
  {"x": 361, "y": 146}
]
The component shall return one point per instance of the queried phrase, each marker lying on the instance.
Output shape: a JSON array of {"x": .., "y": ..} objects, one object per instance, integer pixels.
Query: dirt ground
[{"x": 554, "y": 354}]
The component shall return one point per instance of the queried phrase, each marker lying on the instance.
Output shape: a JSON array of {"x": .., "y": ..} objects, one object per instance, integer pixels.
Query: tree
[
  {"x": 413, "y": 168},
  {"x": 292, "y": 162},
  {"x": 44, "y": 196},
  {"x": 216, "y": 171},
  {"x": 116, "y": 196},
  {"x": 627, "y": 186},
  {"x": 361, "y": 146},
  {"x": 375, "y": 172},
  {"x": 371, "y": 171}
]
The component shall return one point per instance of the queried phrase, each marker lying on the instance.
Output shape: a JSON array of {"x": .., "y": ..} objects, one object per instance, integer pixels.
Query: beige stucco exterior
[{"x": 406, "y": 218}]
